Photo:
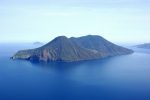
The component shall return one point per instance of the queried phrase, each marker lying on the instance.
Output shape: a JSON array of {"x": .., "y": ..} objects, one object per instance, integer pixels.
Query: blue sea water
[{"x": 125, "y": 77}]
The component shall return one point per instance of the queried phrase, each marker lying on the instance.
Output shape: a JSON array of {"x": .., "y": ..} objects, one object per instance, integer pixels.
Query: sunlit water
[{"x": 124, "y": 77}]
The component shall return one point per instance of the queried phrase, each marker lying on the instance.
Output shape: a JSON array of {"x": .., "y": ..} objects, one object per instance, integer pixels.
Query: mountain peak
[{"x": 60, "y": 38}]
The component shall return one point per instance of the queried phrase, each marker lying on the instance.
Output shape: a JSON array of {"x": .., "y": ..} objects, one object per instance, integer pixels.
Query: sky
[{"x": 124, "y": 21}]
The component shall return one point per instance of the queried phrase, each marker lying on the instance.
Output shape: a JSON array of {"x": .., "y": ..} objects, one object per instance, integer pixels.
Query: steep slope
[{"x": 73, "y": 49}]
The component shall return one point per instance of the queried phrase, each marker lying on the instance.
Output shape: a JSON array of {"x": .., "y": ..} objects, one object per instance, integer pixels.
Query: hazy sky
[{"x": 42, "y": 20}]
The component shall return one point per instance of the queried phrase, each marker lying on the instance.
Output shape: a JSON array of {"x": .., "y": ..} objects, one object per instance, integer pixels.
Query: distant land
[
  {"x": 73, "y": 49},
  {"x": 38, "y": 43},
  {"x": 145, "y": 46}
]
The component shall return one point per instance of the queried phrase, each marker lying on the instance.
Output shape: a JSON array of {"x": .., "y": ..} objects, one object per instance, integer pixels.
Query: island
[
  {"x": 144, "y": 46},
  {"x": 73, "y": 49},
  {"x": 37, "y": 43}
]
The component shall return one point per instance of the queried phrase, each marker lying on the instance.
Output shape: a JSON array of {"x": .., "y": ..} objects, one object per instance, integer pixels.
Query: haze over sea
[{"x": 123, "y": 77}]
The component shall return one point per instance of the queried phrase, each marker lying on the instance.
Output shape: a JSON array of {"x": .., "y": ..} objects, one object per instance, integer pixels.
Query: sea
[{"x": 125, "y": 77}]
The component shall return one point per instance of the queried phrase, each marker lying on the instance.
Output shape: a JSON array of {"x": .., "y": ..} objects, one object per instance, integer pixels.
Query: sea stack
[{"x": 73, "y": 49}]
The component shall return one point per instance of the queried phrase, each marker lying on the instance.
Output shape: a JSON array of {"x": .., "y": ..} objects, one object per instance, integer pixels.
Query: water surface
[{"x": 124, "y": 77}]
